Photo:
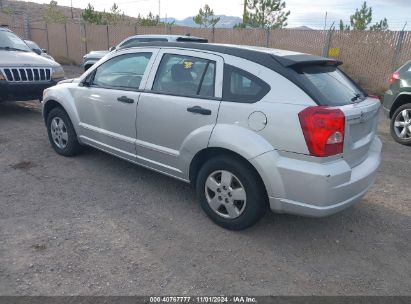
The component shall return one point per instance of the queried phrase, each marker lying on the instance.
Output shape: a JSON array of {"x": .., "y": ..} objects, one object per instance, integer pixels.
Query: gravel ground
[{"x": 97, "y": 225}]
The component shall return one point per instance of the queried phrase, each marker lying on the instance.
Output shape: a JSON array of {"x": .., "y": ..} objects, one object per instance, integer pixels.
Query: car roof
[
  {"x": 274, "y": 59},
  {"x": 5, "y": 29},
  {"x": 164, "y": 36}
]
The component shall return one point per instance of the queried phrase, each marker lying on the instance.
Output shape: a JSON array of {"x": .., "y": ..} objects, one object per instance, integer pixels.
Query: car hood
[
  {"x": 97, "y": 53},
  {"x": 13, "y": 58}
]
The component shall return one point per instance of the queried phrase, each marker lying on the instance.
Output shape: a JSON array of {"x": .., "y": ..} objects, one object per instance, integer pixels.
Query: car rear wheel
[
  {"x": 62, "y": 136},
  {"x": 231, "y": 193},
  {"x": 401, "y": 125}
]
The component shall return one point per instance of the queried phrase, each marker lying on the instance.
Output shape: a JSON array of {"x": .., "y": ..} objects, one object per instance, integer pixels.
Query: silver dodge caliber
[{"x": 250, "y": 128}]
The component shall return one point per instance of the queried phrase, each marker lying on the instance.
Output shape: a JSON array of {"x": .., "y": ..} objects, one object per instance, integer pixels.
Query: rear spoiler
[
  {"x": 190, "y": 39},
  {"x": 302, "y": 60}
]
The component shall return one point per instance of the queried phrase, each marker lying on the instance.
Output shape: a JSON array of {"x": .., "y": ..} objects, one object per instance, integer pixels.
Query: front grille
[{"x": 27, "y": 74}]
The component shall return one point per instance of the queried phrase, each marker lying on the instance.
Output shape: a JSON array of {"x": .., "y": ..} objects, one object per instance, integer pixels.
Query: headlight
[
  {"x": 45, "y": 93},
  {"x": 2, "y": 76},
  {"x": 57, "y": 73}
]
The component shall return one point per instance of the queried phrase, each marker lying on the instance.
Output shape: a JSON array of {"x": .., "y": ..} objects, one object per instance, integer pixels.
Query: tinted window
[
  {"x": 124, "y": 71},
  {"x": 136, "y": 41},
  {"x": 335, "y": 88},
  {"x": 241, "y": 86},
  {"x": 186, "y": 76}
]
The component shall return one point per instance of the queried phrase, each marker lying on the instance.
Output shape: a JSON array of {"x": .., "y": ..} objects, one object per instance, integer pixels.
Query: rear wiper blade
[{"x": 356, "y": 97}]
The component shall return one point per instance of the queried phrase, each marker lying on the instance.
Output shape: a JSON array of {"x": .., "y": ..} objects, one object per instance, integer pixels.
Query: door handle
[
  {"x": 199, "y": 110},
  {"x": 125, "y": 99}
]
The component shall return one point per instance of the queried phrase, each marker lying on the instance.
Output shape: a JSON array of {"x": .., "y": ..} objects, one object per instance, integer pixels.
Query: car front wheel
[
  {"x": 231, "y": 193},
  {"x": 401, "y": 125},
  {"x": 62, "y": 136}
]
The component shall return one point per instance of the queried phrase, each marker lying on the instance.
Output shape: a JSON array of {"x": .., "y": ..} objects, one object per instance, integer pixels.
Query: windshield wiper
[{"x": 7, "y": 48}]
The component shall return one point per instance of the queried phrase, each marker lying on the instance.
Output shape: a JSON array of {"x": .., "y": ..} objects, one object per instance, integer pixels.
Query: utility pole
[
  {"x": 72, "y": 17},
  {"x": 159, "y": 10}
]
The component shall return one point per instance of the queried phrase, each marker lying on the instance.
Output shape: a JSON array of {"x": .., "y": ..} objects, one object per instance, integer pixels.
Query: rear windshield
[{"x": 333, "y": 87}]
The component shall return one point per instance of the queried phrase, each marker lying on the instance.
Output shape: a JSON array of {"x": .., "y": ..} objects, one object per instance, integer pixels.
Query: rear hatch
[{"x": 331, "y": 87}]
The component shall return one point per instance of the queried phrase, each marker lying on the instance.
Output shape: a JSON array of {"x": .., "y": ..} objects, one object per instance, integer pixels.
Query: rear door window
[
  {"x": 185, "y": 76},
  {"x": 332, "y": 85}
]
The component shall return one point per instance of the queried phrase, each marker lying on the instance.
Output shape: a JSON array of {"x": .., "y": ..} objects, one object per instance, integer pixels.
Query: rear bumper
[
  {"x": 23, "y": 91},
  {"x": 318, "y": 189}
]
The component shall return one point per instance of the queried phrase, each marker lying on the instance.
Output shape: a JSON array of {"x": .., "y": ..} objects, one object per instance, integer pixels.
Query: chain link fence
[{"x": 369, "y": 57}]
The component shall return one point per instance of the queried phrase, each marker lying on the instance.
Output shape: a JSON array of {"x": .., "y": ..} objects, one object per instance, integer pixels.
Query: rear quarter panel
[{"x": 281, "y": 107}]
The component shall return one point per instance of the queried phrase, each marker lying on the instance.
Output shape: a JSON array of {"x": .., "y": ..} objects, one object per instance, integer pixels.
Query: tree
[
  {"x": 92, "y": 16},
  {"x": 362, "y": 18},
  {"x": 114, "y": 16},
  {"x": 150, "y": 20},
  {"x": 380, "y": 26},
  {"x": 54, "y": 14},
  {"x": 206, "y": 17},
  {"x": 269, "y": 14}
]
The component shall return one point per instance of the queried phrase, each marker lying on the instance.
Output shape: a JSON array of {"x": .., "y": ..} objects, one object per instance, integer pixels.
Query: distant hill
[
  {"x": 36, "y": 12},
  {"x": 225, "y": 21}
]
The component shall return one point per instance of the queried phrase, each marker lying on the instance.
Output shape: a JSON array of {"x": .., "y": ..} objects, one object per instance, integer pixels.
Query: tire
[
  {"x": 64, "y": 138},
  {"x": 246, "y": 212},
  {"x": 399, "y": 118}
]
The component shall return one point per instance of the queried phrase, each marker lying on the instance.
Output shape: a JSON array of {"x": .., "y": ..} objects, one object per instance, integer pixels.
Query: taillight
[
  {"x": 394, "y": 77},
  {"x": 323, "y": 130}
]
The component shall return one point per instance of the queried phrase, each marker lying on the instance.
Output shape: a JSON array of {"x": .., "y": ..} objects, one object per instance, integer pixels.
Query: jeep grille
[{"x": 27, "y": 74}]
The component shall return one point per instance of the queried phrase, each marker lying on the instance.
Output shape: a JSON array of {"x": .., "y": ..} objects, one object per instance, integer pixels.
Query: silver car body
[
  {"x": 94, "y": 56},
  {"x": 158, "y": 133}
]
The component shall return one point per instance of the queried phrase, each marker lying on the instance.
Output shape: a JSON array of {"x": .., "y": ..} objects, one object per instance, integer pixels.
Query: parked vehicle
[
  {"x": 36, "y": 49},
  {"x": 23, "y": 74},
  {"x": 397, "y": 104},
  {"x": 249, "y": 127},
  {"x": 94, "y": 56}
]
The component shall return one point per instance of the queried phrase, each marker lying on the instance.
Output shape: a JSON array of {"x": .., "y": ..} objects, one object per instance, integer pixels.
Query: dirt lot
[{"x": 97, "y": 225}]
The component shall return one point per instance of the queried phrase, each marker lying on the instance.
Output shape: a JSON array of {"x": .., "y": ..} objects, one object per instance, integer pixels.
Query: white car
[
  {"x": 251, "y": 128},
  {"x": 94, "y": 56}
]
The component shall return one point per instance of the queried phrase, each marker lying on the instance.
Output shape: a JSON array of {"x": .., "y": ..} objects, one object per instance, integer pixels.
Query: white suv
[{"x": 249, "y": 127}]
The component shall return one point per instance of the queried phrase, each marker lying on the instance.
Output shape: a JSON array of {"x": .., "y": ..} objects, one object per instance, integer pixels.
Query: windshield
[
  {"x": 336, "y": 88},
  {"x": 10, "y": 41},
  {"x": 32, "y": 45}
]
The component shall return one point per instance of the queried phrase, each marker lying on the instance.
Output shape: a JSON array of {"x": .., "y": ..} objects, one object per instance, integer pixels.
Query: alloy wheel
[{"x": 59, "y": 132}]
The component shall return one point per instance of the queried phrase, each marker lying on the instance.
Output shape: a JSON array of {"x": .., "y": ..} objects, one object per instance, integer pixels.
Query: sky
[{"x": 303, "y": 12}]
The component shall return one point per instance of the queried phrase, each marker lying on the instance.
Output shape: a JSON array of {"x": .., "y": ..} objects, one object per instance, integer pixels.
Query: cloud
[{"x": 406, "y": 3}]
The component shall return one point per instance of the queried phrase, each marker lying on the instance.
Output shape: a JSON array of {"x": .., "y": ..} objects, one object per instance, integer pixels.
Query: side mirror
[
  {"x": 44, "y": 51},
  {"x": 113, "y": 48},
  {"x": 37, "y": 51}
]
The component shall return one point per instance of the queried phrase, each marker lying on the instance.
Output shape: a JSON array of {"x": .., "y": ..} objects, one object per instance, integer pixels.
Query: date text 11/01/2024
[{"x": 218, "y": 299}]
